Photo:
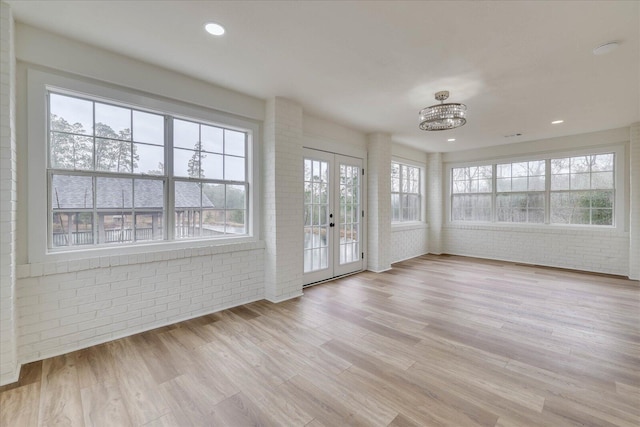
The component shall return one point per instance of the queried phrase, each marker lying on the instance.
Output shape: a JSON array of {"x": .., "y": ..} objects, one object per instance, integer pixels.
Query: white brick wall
[
  {"x": 90, "y": 301},
  {"x": 634, "y": 225},
  {"x": 588, "y": 250},
  {"x": 409, "y": 242},
  {"x": 379, "y": 201},
  {"x": 282, "y": 199},
  {"x": 435, "y": 202},
  {"x": 8, "y": 360}
]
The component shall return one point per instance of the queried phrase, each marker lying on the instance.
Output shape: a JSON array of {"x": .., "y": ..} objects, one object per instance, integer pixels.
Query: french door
[{"x": 332, "y": 215}]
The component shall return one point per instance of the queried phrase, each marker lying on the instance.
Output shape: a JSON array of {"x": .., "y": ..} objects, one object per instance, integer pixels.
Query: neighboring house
[{"x": 118, "y": 214}]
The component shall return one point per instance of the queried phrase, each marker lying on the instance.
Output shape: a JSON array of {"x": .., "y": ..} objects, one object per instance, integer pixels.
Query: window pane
[
  {"x": 236, "y": 197},
  {"x": 519, "y": 169},
  {"x": 212, "y": 166},
  {"x": 602, "y": 217},
  {"x": 113, "y": 122},
  {"x": 234, "y": 142},
  {"x": 186, "y": 163},
  {"x": 212, "y": 139},
  {"x": 560, "y": 182},
  {"x": 503, "y": 184},
  {"x": 213, "y": 222},
  {"x": 603, "y": 162},
  {"x": 234, "y": 168},
  {"x": 69, "y": 151},
  {"x": 504, "y": 171},
  {"x": 560, "y": 166},
  {"x": 149, "y": 194},
  {"x": 580, "y": 181},
  {"x": 149, "y": 226},
  {"x": 113, "y": 156},
  {"x": 114, "y": 193},
  {"x": 519, "y": 184},
  {"x": 72, "y": 229},
  {"x": 69, "y": 114},
  {"x": 214, "y": 195},
  {"x": 71, "y": 192},
  {"x": 186, "y": 134},
  {"x": 537, "y": 183},
  {"x": 395, "y": 207},
  {"x": 535, "y": 200},
  {"x": 187, "y": 195},
  {"x": 148, "y": 128},
  {"x": 149, "y": 159},
  {"x": 580, "y": 164},
  {"x": 602, "y": 180},
  {"x": 235, "y": 222},
  {"x": 187, "y": 223},
  {"x": 115, "y": 227},
  {"x": 395, "y": 177}
]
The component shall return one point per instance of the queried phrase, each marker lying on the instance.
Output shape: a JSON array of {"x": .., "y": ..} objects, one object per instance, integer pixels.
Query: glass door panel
[
  {"x": 317, "y": 248},
  {"x": 349, "y": 221}
]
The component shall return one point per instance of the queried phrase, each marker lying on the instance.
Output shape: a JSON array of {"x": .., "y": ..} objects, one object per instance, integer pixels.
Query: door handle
[{"x": 331, "y": 224}]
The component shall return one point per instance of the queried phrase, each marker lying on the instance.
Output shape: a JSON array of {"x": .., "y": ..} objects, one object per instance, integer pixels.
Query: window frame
[
  {"x": 620, "y": 167},
  {"x": 40, "y": 83},
  {"x": 421, "y": 192}
]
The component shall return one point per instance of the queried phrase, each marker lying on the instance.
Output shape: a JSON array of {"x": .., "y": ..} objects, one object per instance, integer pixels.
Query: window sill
[
  {"x": 538, "y": 228},
  {"x": 406, "y": 226}
]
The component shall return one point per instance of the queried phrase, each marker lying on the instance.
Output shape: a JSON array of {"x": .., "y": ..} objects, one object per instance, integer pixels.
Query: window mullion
[
  {"x": 169, "y": 208},
  {"x": 494, "y": 187},
  {"x": 547, "y": 192}
]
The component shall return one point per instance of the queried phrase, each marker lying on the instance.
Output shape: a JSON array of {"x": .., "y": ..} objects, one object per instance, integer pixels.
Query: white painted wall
[
  {"x": 283, "y": 199},
  {"x": 8, "y": 198},
  {"x": 324, "y": 135},
  {"x": 379, "y": 202},
  {"x": 409, "y": 241}
]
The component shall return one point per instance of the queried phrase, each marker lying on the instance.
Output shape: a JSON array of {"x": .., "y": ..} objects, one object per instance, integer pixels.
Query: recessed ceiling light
[
  {"x": 557, "y": 122},
  {"x": 451, "y": 139},
  {"x": 214, "y": 29},
  {"x": 606, "y": 48}
]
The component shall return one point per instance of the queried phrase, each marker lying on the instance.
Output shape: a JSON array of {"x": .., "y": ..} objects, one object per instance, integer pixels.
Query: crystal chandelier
[{"x": 443, "y": 116}]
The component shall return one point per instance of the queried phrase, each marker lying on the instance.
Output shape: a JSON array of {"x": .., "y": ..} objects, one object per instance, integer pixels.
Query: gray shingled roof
[{"x": 75, "y": 192}]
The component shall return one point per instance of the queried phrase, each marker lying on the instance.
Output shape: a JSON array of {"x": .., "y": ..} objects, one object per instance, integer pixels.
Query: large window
[
  {"x": 582, "y": 190},
  {"x": 520, "y": 190},
  {"x": 118, "y": 174},
  {"x": 566, "y": 190},
  {"x": 406, "y": 197},
  {"x": 471, "y": 189}
]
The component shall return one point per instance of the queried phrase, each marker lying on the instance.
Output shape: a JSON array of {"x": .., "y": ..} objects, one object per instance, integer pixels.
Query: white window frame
[
  {"x": 39, "y": 83},
  {"x": 619, "y": 182},
  {"x": 422, "y": 183}
]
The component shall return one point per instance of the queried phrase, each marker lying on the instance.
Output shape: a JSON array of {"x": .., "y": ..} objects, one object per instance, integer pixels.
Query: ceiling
[{"x": 372, "y": 65}]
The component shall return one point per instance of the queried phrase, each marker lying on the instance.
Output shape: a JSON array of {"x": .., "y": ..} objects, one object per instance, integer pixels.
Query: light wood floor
[{"x": 435, "y": 341}]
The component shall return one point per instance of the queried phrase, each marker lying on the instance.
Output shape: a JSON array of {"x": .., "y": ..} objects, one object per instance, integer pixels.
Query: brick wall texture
[{"x": 379, "y": 201}]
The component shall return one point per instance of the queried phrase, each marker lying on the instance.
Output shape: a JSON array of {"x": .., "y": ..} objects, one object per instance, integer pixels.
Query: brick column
[
  {"x": 9, "y": 368},
  {"x": 282, "y": 192},
  {"x": 634, "y": 193},
  {"x": 379, "y": 201},
  {"x": 435, "y": 202}
]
